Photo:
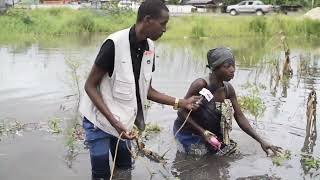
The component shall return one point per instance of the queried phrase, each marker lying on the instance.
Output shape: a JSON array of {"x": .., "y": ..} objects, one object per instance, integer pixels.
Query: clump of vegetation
[
  {"x": 279, "y": 159},
  {"x": 55, "y": 11},
  {"x": 73, "y": 70},
  {"x": 198, "y": 31},
  {"x": 20, "y": 24},
  {"x": 258, "y": 25},
  {"x": 63, "y": 21},
  {"x": 152, "y": 128},
  {"x": 309, "y": 162},
  {"x": 310, "y": 27},
  {"x": 85, "y": 23},
  {"x": 74, "y": 137},
  {"x": 251, "y": 102},
  {"x": 54, "y": 125},
  {"x": 10, "y": 127}
]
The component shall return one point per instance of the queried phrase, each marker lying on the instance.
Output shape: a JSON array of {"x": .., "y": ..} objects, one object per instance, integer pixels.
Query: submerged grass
[{"x": 252, "y": 102}]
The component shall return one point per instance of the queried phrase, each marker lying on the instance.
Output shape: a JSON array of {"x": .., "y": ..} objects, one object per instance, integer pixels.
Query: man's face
[{"x": 157, "y": 26}]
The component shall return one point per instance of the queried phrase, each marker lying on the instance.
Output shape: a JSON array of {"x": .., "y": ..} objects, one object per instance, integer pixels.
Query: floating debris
[
  {"x": 143, "y": 151},
  {"x": 280, "y": 158},
  {"x": 260, "y": 177},
  {"x": 10, "y": 126},
  {"x": 152, "y": 128},
  {"x": 54, "y": 125}
]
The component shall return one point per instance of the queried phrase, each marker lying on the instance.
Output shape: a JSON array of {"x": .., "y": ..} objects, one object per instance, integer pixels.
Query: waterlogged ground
[{"x": 38, "y": 95}]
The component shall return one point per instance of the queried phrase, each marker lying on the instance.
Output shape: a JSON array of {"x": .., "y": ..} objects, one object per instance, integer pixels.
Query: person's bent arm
[
  {"x": 193, "y": 90},
  {"x": 91, "y": 88},
  {"x": 245, "y": 125}
]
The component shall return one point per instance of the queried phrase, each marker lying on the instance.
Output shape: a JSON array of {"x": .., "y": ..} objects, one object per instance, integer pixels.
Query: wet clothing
[
  {"x": 100, "y": 143},
  {"x": 208, "y": 116}
]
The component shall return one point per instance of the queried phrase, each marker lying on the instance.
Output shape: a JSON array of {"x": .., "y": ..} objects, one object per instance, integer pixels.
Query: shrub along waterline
[
  {"x": 34, "y": 23},
  {"x": 61, "y": 21}
]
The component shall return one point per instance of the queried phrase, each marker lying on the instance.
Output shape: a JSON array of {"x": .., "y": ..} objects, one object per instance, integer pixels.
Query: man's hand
[
  {"x": 267, "y": 147},
  {"x": 121, "y": 129},
  {"x": 192, "y": 103}
]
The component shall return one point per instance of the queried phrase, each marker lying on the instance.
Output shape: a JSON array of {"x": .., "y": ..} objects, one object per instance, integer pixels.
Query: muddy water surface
[{"x": 37, "y": 87}]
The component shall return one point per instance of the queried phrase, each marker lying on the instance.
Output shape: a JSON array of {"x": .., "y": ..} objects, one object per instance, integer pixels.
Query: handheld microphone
[{"x": 205, "y": 93}]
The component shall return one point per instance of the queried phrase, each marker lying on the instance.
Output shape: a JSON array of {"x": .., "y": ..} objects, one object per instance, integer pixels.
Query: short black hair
[{"x": 152, "y": 8}]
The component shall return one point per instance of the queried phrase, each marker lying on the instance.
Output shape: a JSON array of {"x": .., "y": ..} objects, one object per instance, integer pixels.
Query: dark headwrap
[{"x": 218, "y": 56}]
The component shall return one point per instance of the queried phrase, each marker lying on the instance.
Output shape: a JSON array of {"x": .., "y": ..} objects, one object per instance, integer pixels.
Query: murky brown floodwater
[{"x": 36, "y": 85}]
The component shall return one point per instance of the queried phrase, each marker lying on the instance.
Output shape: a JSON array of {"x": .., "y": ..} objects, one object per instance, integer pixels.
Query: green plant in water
[
  {"x": 279, "y": 159},
  {"x": 73, "y": 148},
  {"x": 152, "y": 128},
  {"x": 73, "y": 66},
  {"x": 252, "y": 103},
  {"x": 309, "y": 162},
  {"x": 54, "y": 125}
]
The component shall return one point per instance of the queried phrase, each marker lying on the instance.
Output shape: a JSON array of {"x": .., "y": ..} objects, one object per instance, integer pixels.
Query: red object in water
[{"x": 215, "y": 143}]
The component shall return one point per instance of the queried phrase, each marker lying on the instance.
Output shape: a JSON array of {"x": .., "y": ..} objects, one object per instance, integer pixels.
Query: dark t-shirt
[{"x": 105, "y": 59}]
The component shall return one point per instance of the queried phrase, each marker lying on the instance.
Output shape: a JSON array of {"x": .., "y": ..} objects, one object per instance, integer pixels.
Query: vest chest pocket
[{"x": 122, "y": 90}]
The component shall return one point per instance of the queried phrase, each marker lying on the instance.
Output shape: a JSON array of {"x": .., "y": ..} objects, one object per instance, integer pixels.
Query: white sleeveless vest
[{"x": 119, "y": 91}]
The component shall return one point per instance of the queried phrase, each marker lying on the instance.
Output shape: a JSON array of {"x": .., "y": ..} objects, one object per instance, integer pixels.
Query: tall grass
[
  {"x": 60, "y": 21},
  {"x": 32, "y": 23},
  {"x": 241, "y": 26}
]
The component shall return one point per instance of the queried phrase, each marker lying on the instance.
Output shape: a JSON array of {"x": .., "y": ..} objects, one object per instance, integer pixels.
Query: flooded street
[{"x": 38, "y": 96}]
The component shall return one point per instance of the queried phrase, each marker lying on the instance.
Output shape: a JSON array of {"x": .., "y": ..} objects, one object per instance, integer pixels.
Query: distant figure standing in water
[
  {"x": 212, "y": 120},
  {"x": 119, "y": 86}
]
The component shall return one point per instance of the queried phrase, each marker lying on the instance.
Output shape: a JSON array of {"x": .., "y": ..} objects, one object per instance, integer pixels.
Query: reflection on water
[
  {"x": 38, "y": 83},
  {"x": 202, "y": 168}
]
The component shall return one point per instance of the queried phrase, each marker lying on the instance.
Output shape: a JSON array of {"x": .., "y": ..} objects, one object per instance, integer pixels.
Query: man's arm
[
  {"x": 161, "y": 98},
  {"x": 90, "y": 87}
]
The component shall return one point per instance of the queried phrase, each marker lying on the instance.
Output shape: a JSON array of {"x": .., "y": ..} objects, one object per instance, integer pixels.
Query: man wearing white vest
[{"x": 119, "y": 86}]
